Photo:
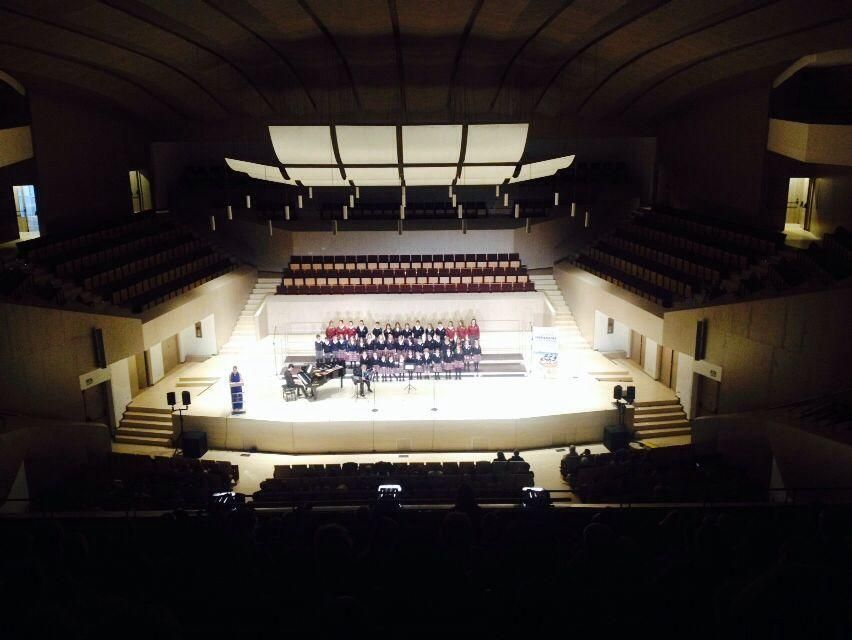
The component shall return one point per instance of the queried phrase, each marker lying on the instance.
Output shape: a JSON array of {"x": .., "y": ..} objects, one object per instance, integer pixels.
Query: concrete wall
[
  {"x": 48, "y": 448},
  {"x": 618, "y": 340},
  {"x": 121, "y": 389},
  {"x": 586, "y": 294},
  {"x": 45, "y": 351},
  {"x": 154, "y": 360},
  {"x": 684, "y": 381},
  {"x": 223, "y": 298},
  {"x": 83, "y": 152},
  {"x": 191, "y": 345},
  {"x": 771, "y": 352},
  {"x": 711, "y": 156},
  {"x": 814, "y": 143}
]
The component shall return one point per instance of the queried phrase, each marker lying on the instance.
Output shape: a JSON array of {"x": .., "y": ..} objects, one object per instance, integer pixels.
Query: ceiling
[{"x": 358, "y": 61}]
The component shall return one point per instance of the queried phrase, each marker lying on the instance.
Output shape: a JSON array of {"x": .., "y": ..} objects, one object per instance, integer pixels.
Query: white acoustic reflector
[
  {"x": 403, "y": 197},
  {"x": 257, "y": 171},
  {"x": 373, "y": 176},
  {"x": 505, "y": 199},
  {"x": 366, "y": 145},
  {"x": 269, "y": 225},
  {"x": 454, "y": 199},
  {"x": 427, "y": 144},
  {"x": 345, "y": 212},
  {"x": 497, "y": 191},
  {"x": 402, "y": 212},
  {"x": 351, "y": 201},
  {"x": 212, "y": 223},
  {"x": 318, "y": 176},
  {"x": 573, "y": 209},
  {"x": 495, "y": 142},
  {"x": 485, "y": 175},
  {"x": 437, "y": 176},
  {"x": 286, "y": 211},
  {"x": 230, "y": 210},
  {"x": 310, "y": 194},
  {"x": 357, "y": 191},
  {"x": 334, "y": 227},
  {"x": 529, "y": 226},
  {"x": 299, "y": 201},
  {"x": 556, "y": 199},
  {"x": 248, "y": 202},
  {"x": 451, "y": 190},
  {"x": 587, "y": 220},
  {"x": 542, "y": 169},
  {"x": 461, "y": 213},
  {"x": 517, "y": 210},
  {"x": 302, "y": 145}
]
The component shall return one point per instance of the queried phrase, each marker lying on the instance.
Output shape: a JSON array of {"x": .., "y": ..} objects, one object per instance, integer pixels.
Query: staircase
[
  {"x": 244, "y": 334},
  {"x": 146, "y": 425},
  {"x": 569, "y": 332},
  {"x": 659, "y": 418}
]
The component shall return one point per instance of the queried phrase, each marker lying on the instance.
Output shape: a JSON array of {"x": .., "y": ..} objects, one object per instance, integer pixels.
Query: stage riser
[
  {"x": 494, "y": 312},
  {"x": 390, "y": 436}
]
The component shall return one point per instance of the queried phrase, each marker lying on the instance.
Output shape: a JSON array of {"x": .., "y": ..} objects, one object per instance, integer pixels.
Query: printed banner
[{"x": 545, "y": 349}]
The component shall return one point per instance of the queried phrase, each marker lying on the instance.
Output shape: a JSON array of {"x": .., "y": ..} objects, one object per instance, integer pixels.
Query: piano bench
[{"x": 290, "y": 393}]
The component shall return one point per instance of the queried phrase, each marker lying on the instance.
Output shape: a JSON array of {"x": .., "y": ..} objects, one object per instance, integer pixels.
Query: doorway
[
  {"x": 798, "y": 201},
  {"x": 706, "y": 396},
  {"x": 26, "y": 210},
  {"x": 140, "y": 191},
  {"x": 96, "y": 404}
]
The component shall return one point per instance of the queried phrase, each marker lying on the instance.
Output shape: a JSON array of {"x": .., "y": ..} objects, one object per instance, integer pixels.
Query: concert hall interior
[{"x": 525, "y": 315}]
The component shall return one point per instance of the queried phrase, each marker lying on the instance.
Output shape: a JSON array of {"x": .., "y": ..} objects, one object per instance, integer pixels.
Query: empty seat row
[
  {"x": 495, "y": 287},
  {"x": 654, "y": 272},
  {"x": 102, "y": 279},
  {"x": 49, "y": 247},
  {"x": 701, "y": 246},
  {"x": 635, "y": 285},
  {"x": 681, "y": 259},
  {"x": 178, "y": 287},
  {"x": 385, "y": 468},
  {"x": 405, "y": 261},
  {"x": 404, "y": 276},
  {"x": 730, "y": 233},
  {"x": 115, "y": 252}
]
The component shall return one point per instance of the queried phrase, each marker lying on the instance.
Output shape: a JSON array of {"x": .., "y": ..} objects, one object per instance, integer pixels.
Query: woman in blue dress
[{"x": 236, "y": 381}]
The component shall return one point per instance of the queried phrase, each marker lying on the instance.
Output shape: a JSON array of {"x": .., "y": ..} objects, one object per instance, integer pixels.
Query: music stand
[{"x": 409, "y": 387}]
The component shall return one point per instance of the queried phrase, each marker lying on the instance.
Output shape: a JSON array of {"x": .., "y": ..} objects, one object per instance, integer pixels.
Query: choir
[{"x": 402, "y": 352}]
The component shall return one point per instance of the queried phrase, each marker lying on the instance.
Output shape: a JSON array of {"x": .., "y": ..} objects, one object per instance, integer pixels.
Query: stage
[{"x": 490, "y": 412}]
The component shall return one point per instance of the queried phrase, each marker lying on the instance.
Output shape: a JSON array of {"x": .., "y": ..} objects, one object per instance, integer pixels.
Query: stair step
[
  {"x": 139, "y": 409},
  {"x": 154, "y": 442},
  {"x": 640, "y": 404},
  {"x": 661, "y": 433},
  {"x": 125, "y": 430},
  {"x": 662, "y": 424},
  {"x": 642, "y": 418},
  {"x": 152, "y": 418},
  {"x": 143, "y": 424}
]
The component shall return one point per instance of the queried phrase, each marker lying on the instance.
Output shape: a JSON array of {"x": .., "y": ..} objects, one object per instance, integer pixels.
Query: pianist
[{"x": 292, "y": 382}]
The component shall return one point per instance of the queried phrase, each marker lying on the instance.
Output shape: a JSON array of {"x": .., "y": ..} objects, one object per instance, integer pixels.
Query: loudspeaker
[
  {"x": 616, "y": 437},
  {"x": 617, "y": 392},
  {"x": 700, "y": 339},
  {"x": 187, "y": 400},
  {"x": 194, "y": 444},
  {"x": 170, "y": 398},
  {"x": 100, "y": 351},
  {"x": 630, "y": 395}
]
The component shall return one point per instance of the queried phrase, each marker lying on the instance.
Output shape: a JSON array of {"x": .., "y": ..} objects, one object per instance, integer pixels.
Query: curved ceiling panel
[{"x": 392, "y": 62}]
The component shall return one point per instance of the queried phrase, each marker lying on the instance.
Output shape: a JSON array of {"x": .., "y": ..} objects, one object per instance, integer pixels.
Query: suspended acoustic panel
[
  {"x": 257, "y": 171},
  {"x": 373, "y": 176},
  {"x": 419, "y": 176},
  {"x": 318, "y": 176},
  {"x": 495, "y": 142},
  {"x": 302, "y": 145},
  {"x": 542, "y": 169},
  {"x": 493, "y": 174},
  {"x": 366, "y": 145},
  {"x": 428, "y": 144}
]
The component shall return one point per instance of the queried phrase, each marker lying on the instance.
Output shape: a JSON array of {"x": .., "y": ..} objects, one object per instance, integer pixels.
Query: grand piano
[{"x": 312, "y": 377}]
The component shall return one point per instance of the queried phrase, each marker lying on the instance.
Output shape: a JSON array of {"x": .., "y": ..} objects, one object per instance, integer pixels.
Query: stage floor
[{"x": 446, "y": 415}]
